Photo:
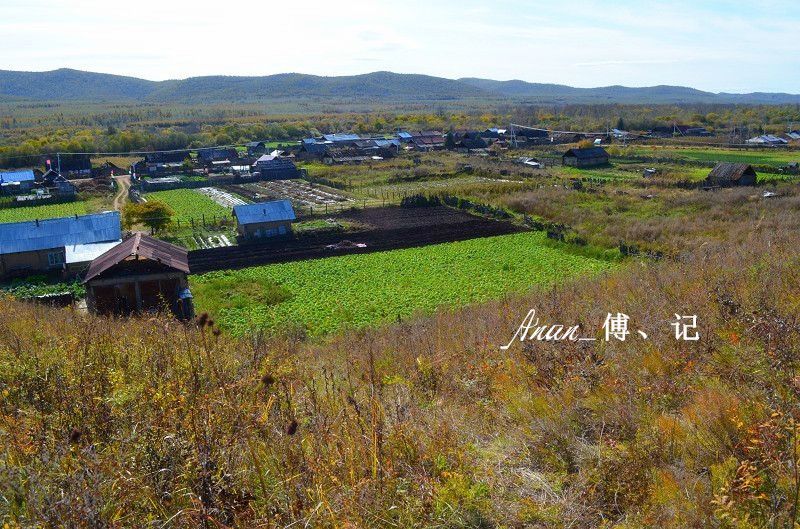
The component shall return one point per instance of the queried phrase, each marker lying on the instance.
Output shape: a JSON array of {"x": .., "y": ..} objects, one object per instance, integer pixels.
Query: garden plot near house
[
  {"x": 223, "y": 198},
  {"x": 299, "y": 192},
  {"x": 325, "y": 295}
]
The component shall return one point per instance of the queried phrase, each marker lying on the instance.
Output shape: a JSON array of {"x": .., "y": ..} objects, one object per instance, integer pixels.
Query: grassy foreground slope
[
  {"x": 423, "y": 424},
  {"x": 323, "y": 295}
]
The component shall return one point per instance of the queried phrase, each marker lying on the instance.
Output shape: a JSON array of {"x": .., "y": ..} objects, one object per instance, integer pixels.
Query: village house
[
  {"x": 56, "y": 245},
  {"x": 731, "y": 174},
  {"x": 256, "y": 148},
  {"x": 264, "y": 220},
  {"x": 274, "y": 167},
  {"x": 345, "y": 156},
  {"x": 467, "y": 145},
  {"x": 460, "y": 134},
  {"x": 589, "y": 157},
  {"x": 16, "y": 182},
  {"x": 163, "y": 162},
  {"x": 428, "y": 141},
  {"x": 494, "y": 133},
  {"x": 219, "y": 158},
  {"x": 340, "y": 140},
  {"x": 72, "y": 167},
  {"x": 767, "y": 139},
  {"x": 137, "y": 275},
  {"x": 311, "y": 149}
]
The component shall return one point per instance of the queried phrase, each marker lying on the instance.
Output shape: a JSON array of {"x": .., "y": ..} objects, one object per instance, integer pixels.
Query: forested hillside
[{"x": 73, "y": 85}]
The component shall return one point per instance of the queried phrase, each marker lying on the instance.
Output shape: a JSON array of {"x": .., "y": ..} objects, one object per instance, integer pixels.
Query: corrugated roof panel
[
  {"x": 17, "y": 176},
  {"x": 56, "y": 233},
  {"x": 278, "y": 210},
  {"x": 341, "y": 137}
]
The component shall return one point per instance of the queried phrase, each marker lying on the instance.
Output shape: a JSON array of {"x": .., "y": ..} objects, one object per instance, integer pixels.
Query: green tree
[
  {"x": 449, "y": 142},
  {"x": 620, "y": 124},
  {"x": 154, "y": 214}
]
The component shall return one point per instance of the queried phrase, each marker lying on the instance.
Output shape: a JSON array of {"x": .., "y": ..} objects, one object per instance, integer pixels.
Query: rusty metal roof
[
  {"x": 144, "y": 246},
  {"x": 730, "y": 172}
]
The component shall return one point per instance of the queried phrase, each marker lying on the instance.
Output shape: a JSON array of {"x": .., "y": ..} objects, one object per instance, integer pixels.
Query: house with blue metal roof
[
  {"x": 341, "y": 138},
  {"x": 17, "y": 181},
  {"x": 65, "y": 244},
  {"x": 265, "y": 219}
]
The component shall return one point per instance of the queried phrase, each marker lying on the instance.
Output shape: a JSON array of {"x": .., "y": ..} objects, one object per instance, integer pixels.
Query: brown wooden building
[
  {"x": 731, "y": 174},
  {"x": 138, "y": 275},
  {"x": 591, "y": 157}
]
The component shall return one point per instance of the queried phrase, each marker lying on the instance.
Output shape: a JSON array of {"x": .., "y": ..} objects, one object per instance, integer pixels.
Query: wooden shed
[
  {"x": 731, "y": 174},
  {"x": 140, "y": 274},
  {"x": 590, "y": 157}
]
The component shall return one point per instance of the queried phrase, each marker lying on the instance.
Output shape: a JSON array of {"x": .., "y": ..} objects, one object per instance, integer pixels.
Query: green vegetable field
[
  {"x": 360, "y": 290},
  {"x": 47, "y": 211},
  {"x": 189, "y": 204}
]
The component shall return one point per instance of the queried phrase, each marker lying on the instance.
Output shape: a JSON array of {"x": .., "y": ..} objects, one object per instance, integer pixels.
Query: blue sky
[{"x": 717, "y": 45}]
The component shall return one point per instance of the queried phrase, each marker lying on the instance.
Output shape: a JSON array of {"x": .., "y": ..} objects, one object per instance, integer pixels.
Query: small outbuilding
[
  {"x": 140, "y": 274},
  {"x": 264, "y": 220},
  {"x": 731, "y": 174},
  {"x": 581, "y": 158}
]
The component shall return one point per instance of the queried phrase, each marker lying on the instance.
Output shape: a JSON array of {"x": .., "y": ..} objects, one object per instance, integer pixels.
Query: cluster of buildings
[
  {"x": 275, "y": 165},
  {"x": 122, "y": 275},
  {"x": 792, "y": 137},
  {"x": 30, "y": 184}
]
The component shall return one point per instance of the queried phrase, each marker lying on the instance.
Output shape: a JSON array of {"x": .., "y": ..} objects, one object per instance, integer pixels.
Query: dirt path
[{"x": 124, "y": 183}]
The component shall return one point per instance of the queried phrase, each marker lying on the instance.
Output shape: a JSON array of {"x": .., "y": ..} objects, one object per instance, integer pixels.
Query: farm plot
[
  {"x": 326, "y": 295},
  {"x": 190, "y": 205},
  {"x": 46, "y": 211},
  {"x": 223, "y": 198},
  {"x": 462, "y": 184},
  {"x": 299, "y": 192}
]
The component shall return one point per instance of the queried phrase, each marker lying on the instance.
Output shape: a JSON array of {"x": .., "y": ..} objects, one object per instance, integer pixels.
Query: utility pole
[{"x": 58, "y": 161}]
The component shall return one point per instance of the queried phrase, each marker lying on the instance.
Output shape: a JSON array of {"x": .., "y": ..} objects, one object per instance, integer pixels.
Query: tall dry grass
[{"x": 427, "y": 423}]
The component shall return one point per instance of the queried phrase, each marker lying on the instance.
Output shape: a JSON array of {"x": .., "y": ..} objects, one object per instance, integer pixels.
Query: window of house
[{"x": 55, "y": 258}]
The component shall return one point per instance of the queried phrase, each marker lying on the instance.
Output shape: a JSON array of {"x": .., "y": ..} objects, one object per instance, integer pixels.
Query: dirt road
[{"x": 124, "y": 183}]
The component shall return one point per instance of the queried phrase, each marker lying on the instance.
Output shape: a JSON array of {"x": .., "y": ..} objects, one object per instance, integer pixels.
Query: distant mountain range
[{"x": 74, "y": 85}]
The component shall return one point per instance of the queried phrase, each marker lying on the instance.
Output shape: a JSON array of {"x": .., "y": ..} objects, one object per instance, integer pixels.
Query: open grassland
[
  {"x": 47, "y": 211},
  {"x": 761, "y": 156},
  {"x": 322, "y": 296},
  {"x": 188, "y": 204}
]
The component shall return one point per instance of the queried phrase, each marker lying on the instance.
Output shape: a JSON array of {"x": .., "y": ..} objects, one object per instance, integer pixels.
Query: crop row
[{"x": 325, "y": 295}]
